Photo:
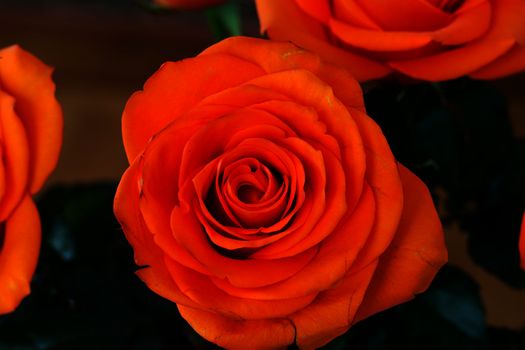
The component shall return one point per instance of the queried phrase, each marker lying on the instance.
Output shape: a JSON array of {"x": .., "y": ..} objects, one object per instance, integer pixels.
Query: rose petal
[
  {"x": 352, "y": 13},
  {"x": 466, "y": 27},
  {"x": 507, "y": 28},
  {"x": 162, "y": 101},
  {"x": 147, "y": 253},
  {"x": 334, "y": 258},
  {"x": 19, "y": 254},
  {"x": 513, "y": 61},
  {"x": 383, "y": 177},
  {"x": 240, "y": 334},
  {"x": 374, "y": 40},
  {"x": 15, "y": 156},
  {"x": 28, "y": 80},
  {"x": 306, "y": 89},
  {"x": 454, "y": 63},
  {"x": 283, "y": 20},
  {"x": 199, "y": 288},
  {"x": 189, "y": 234},
  {"x": 334, "y": 309},
  {"x": 405, "y": 15},
  {"x": 320, "y": 10},
  {"x": 415, "y": 255}
]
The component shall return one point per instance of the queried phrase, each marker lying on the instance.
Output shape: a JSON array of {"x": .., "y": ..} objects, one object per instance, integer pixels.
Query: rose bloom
[
  {"x": 425, "y": 39},
  {"x": 31, "y": 129},
  {"x": 264, "y": 201},
  {"x": 187, "y": 4}
]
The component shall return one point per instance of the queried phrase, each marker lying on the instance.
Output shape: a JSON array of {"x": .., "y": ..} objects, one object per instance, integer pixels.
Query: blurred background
[{"x": 103, "y": 51}]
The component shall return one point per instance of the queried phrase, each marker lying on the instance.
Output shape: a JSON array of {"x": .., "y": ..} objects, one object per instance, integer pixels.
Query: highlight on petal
[{"x": 18, "y": 254}]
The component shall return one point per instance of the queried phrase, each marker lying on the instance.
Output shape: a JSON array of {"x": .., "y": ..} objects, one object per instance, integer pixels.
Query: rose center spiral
[{"x": 249, "y": 194}]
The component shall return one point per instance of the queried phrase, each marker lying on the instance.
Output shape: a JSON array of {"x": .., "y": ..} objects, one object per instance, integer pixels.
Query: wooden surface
[{"x": 102, "y": 52}]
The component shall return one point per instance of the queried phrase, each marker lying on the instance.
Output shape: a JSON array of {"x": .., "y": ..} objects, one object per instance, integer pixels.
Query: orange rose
[
  {"x": 31, "y": 136},
  {"x": 522, "y": 242},
  {"x": 424, "y": 39},
  {"x": 264, "y": 201},
  {"x": 187, "y": 4}
]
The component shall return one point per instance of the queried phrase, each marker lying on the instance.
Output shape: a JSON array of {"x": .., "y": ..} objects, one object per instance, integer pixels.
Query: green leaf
[{"x": 225, "y": 20}]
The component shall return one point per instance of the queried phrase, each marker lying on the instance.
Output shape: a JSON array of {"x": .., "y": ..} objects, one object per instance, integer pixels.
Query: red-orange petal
[
  {"x": 375, "y": 40},
  {"x": 334, "y": 310},
  {"x": 200, "y": 289},
  {"x": 19, "y": 254},
  {"x": 415, "y": 255},
  {"x": 335, "y": 256},
  {"x": 512, "y": 62},
  {"x": 275, "y": 56},
  {"x": 188, "y": 232},
  {"x": 383, "y": 178},
  {"x": 456, "y": 62},
  {"x": 28, "y": 80},
  {"x": 466, "y": 27},
  {"x": 406, "y": 15},
  {"x": 174, "y": 89},
  {"x": 283, "y": 20},
  {"x": 15, "y": 156},
  {"x": 320, "y": 9},
  {"x": 240, "y": 334},
  {"x": 147, "y": 254},
  {"x": 352, "y": 13}
]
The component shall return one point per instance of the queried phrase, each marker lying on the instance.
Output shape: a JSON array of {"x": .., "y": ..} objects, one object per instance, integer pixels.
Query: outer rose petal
[
  {"x": 161, "y": 101},
  {"x": 19, "y": 254},
  {"x": 406, "y": 15},
  {"x": 335, "y": 309},
  {"x": 414, "y": 256},
  {"x": 187, "y": 4},
  {"x": 28, "y": 80},
  {"x": 15, "y": 156},
  {"x": 513, "y": 61},
  {"x": 283, "y": 20},
  {"x": 522, "y": 242},
  {"x": 147, "y": 253},
  {"x": 414, "y": 37},
  {"x": 239, "y": 334},
  {"x": 454, "y": 63}
]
